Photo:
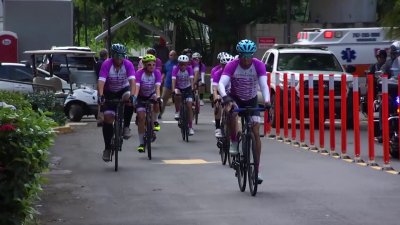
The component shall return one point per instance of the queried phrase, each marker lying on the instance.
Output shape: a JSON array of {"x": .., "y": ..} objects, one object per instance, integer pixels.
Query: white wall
[{"x": 343, "y": 11}]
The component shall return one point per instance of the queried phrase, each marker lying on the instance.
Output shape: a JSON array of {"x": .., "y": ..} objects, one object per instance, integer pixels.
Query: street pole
[
  {"x": 85, "y": 21},
  {"x": 288, "y": 13}
]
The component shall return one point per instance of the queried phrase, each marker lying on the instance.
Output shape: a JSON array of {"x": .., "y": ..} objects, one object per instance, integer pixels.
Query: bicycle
[
  {"x": 117, "y": 139},
  {"x": 196, "y": 106},
  {"x": 246, "y": 162},
  {"x": 149, "y": 136},
  {"x": 183, "y": 122},
  {"x": 223, "y": 142}
]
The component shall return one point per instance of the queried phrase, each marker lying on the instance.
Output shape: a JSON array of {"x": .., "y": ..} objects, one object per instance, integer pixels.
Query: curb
[{"x": 63, "y": 129}]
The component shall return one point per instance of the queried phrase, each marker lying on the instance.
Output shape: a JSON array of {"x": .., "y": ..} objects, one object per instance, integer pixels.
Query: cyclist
[
  {"x": 187, "y": 52},
  {"x": 243, "y": 74},
  {"x": 167, "y": 77},
  {"x": 215, "y": 68},
  {"x": 216, "y": 75},
  {"x": 151, "y": 51},
  {"x": 116, "y": 80},
  {"x": 199, "y": 70},
  {"x": 148, "y": 82},
  {"x": 182, "y": 83}
]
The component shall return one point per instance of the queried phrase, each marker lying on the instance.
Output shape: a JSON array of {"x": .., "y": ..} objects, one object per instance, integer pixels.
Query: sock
[
  {"x": 141, "y": 140},
  {"x": 233, "y": 137},
  {"x": 217, "y": 123},
  {"x": 108, "y": 131},
  {"x": 128, "y": 115},
  {"x": 155, "y": 117}
]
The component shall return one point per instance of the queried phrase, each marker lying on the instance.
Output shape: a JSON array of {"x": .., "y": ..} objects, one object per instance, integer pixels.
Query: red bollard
[
  {"x": 285, "y": 108},
  {"x": 332, "y": 115},
  {"x": 311, "y": 110},
  {"x": 385, "y": 123},
  {"x": 343, "y": 116},
  {"x": 277, "y": 107},
  {"x": 371, "y": 125},
  {"x": 398, "y": 110},
  {"x": 302, "y": 130},
  {"x": 356, "y": 119},
  {"x": 293, "y": 108},
  {"x": 321, "y": 110},
  {"x": 267, "y": 125}
]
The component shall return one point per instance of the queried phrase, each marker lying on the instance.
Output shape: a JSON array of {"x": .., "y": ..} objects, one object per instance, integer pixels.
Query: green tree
[{"x": 389, "y": 16}]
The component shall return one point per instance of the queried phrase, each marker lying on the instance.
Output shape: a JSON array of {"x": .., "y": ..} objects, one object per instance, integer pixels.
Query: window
[
  {"x": 308, "y": 61},
  {"x": 20, "y": 73}
]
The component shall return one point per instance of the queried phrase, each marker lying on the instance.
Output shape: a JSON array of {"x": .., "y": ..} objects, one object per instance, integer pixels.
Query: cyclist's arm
[
  {"x": 191, "y": 76},
  {"x": 196, "y": 72},
  {"x": 131, "y": 75},
  {"x": 100, "y": 87},
  {"x": 203, "y": 73},
  {"x": 173, "y": 77},
  {"x": 262, "y": 81},
  {"x": 158, "y": 83},
  {"x": 223, "y": 82},
  {"x": 104, "y": 72}
]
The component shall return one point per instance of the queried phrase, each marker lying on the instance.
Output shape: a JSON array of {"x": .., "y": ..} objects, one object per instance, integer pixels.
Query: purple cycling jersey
[
  {"x": 215, "y": 68},
  {"x": 216, "y": 75},
  {"x": 147, "y": 82},
  {"x": 158, "y": 64},
  {"x": 244, "y": 81},
  {"x": 182, "y": 78},
  {"x": 116, "y": 80}
]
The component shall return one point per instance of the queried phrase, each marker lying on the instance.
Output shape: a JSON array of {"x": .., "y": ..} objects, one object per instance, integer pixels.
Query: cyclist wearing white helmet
[
  {"x": 243, "y": 74},
  {"x": 182, "y": 83},
  {"x": 116, "y": 80},
  {"x": 216, "y": 75},
  {"x": 392, "y": 65},
  {"x": 199, "y": 70},
  {"x": 217, "y": 67}
]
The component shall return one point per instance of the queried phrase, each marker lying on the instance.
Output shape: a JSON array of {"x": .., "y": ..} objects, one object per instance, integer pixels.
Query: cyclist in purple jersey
[
  {"x": 216, "y": 75},
  {"x": 244, "y": 74},
  {"x": 182, "y": 82},
  {"x": 217, "y": 67},
  {"x": 148, "y": 82},
  {"x": 116, "y": 81},
  {"x": 159, "y": 63},
  {"x": 199, "y": 69}
]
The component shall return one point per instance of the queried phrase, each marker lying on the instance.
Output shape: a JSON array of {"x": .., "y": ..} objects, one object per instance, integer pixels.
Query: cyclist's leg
[
  {"x": 217, "y": 116},
  {"x": 108, "y": 129},
  {"x": 128, "y": 112},
  {"x": 233, "y": 127},
  {"x": 189, "y": 103},
  {"x": 141, "y": 116},
  {"x": 177, "y": 101}
]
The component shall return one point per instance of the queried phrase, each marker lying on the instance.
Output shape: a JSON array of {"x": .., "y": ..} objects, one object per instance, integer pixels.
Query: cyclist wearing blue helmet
[
  {"x": 243, "y": 74},
  {"x": 116, "y": 80}
]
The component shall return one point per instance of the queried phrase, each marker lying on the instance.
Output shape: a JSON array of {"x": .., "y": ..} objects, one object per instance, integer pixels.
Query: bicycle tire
[
  {"x": 223, "y": 155},
  {"x": 252, "y": 164},
  {"x": 182, "y": 121},
  {"x": 227, "y": 140},
  {"x": 196, "y": 109},
  {"x": 149, "y": 134},
  {"x": 241, "y": 167}
]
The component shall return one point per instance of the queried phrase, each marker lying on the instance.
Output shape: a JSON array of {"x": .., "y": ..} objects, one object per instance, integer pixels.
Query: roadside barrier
[
  {"x": 267, "y": 124},
  {"x": 291, "y": 108}
]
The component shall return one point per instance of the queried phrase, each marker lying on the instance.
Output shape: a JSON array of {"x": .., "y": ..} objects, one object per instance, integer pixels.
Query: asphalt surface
[{"x": 300, "y": 187}]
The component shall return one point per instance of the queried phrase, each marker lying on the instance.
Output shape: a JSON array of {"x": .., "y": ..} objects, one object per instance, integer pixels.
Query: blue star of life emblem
[{"x": 348, "y": 54}]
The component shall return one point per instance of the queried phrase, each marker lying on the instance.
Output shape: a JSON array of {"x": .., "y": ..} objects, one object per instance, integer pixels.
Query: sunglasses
[
  {"x": 150, "y": 64},
  {"x": 246, "y": 56},
  {"x": 119, "y": 56}
]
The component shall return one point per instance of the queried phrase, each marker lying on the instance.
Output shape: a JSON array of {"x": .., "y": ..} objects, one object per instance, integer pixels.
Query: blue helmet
[
  {"x": 246, "y": 46},
  {"x": 118, "y": 49}
]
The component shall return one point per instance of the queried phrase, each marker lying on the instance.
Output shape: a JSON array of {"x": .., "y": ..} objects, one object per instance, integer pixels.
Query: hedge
[{"x": 25, "y": 137}]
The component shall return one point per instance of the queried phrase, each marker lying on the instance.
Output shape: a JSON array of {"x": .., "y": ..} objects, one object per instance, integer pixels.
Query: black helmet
[
  {"x": 151, "y": 51},
  {"x": 118, "y": 49}
]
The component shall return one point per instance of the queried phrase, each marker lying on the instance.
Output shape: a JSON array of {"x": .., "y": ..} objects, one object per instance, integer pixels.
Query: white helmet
[
  {"x": 219, "y": 56},
  {"x": 236, "y": 56},
  {"x": 225, "y": 59},
  {"x": 196, "y": 55},
  {"x": 183, "y": 58}
]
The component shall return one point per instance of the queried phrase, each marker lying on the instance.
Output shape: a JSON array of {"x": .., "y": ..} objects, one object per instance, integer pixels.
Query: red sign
[
  {"x": 8, "y": 47},
  {"x": 266, "y": 42}
]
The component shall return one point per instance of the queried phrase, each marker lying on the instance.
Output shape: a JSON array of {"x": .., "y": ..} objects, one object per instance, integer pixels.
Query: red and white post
[
  {"x": 311, "y": 111},
  {"x": 385, "y": 123},
  {"x": 371, "y": 125},
  {"x": 277, "y": 107},
  {"x": 343, "y": 116},
  {"x": 293, "y": 109},
  {"x": 267, "y": 125},
  {"x": 321, "y": 110},
  {"x": 285, "y": 108},
  {"x": 332, "y": 115},
  {"x": 356, "y": 119}
]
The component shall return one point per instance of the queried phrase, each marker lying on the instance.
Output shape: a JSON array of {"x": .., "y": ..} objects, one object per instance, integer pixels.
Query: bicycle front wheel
[
  {"x": 252, "y": 164},
  {"x": 149, "y": 135},
  {"x": 197, "y": 110},
  {"x": 241, "y": 167}
]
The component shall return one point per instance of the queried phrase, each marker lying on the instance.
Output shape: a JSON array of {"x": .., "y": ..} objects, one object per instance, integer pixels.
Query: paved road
[{"x": 300, "y": 187}]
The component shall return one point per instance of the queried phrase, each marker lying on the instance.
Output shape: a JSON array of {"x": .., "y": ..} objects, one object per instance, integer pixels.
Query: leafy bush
[
  {"x": 16, "y": 99},
  {"x": 48, "y": 103},
  {"x": 25, "y": 136}
]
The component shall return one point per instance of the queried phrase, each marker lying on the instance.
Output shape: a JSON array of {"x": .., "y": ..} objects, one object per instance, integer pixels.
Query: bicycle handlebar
[{"x": 250, "y": 109}]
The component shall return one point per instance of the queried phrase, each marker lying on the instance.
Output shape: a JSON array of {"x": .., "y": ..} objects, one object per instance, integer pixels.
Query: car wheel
[{"x": 75, "y": 112}]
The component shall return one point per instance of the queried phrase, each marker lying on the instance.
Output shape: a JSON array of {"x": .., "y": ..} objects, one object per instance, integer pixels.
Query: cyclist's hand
[
  {"x": 177, "y": 91},
  {"x": 217, "y": 99},
  {"x": 133, "y": 99},
  {"x": 100, "y": 99},
  {"x": 267, "y": 105}
]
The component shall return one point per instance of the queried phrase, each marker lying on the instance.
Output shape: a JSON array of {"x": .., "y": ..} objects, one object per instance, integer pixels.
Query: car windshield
[{"x": 308, "y": 61}]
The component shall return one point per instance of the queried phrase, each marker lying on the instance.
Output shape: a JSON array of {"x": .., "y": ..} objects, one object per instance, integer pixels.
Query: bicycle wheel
[
  {"x": 116, "y": 145},
  {"x": 149, "y": 134},
  {"x": 241, "y": 164},
  {"x": 222, "y": 153},
  {"x": 252, "y": 164},
  {"x": 182, "y": 122},
  {"x": 227, "y": 139},
  {"x": 196, "y": 109}
]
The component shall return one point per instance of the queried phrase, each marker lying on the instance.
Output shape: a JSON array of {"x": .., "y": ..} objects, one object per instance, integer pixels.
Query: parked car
[
  {"x": 84, "y": 61},
  {"x": 16, "y": 77},
  {"x": 297, "y": 59}
]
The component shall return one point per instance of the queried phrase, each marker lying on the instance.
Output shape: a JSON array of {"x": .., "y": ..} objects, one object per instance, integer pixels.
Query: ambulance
[{"x": 351, "y": 46}]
